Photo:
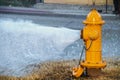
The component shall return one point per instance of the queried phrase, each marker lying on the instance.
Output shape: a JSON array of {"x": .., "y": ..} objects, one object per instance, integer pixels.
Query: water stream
[{"x": 23, "y": 43}]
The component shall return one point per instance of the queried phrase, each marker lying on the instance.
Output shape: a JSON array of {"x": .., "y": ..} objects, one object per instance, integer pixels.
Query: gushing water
[{"x": 23, "y": 43}]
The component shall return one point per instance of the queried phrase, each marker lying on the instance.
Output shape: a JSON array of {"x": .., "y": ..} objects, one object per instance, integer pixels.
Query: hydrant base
[{"x": 93, "y": 65}]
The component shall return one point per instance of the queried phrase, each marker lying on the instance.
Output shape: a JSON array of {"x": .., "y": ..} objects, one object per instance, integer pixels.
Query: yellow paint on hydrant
[{"x": 92, "y": 37}]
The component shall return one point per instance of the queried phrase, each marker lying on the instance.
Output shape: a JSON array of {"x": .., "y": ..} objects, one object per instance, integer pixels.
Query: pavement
[
  {"x": 60, "y": 10},
  {"x": 77, "y": 10}
]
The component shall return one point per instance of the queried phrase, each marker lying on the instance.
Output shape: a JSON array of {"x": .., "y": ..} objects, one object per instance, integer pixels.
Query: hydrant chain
[
  {"x": 89, "y": 45},
  {"x": 81, "y": 55},
  {"x": 84, "y": 48}
]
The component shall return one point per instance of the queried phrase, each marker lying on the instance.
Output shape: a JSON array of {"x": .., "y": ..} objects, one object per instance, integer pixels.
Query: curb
[{"x": 33, "y": 11}]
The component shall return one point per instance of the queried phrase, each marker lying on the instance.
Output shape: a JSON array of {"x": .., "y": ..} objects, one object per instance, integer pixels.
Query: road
[
  {"x": 69, "y": 22},
  {"x": 72, "y": 22}
]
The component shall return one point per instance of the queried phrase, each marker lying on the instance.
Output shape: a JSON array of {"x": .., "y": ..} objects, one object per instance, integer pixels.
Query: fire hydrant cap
[{"x": 94, "y": 18}]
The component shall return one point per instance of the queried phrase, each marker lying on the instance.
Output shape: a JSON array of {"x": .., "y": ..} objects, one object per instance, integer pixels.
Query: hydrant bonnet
[{"x": 94, "y": 18}]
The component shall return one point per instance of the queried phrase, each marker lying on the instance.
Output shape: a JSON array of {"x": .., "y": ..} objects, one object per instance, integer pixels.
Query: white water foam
[{"x": 23, "y": 43}]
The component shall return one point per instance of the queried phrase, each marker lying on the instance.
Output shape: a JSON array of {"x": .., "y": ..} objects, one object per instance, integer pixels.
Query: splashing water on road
[{"x": 23, "y": 43}]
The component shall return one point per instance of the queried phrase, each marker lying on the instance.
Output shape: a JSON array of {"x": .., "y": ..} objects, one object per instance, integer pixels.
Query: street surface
[{"x": 73, "y": 22}]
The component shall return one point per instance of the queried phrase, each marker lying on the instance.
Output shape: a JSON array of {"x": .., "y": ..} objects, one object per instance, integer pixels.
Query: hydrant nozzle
[{"x": 92, "y": 37}]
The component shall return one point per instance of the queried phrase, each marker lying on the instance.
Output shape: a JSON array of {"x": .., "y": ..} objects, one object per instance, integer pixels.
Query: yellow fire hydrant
[{"x": 92, "y": 37}]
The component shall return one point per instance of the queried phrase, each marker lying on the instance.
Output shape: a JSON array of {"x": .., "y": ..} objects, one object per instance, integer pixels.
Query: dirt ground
[{"x": 62, "y": 70}]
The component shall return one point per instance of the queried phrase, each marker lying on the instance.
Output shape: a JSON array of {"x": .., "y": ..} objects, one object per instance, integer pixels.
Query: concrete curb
[{"x": 33, "y": 11}]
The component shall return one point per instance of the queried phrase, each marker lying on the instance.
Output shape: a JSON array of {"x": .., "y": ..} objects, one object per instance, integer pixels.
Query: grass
[{"x": 62, "y": 70}]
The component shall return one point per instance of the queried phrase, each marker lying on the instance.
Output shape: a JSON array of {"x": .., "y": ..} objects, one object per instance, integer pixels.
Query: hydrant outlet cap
[{"x": 94, "y": 18}]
